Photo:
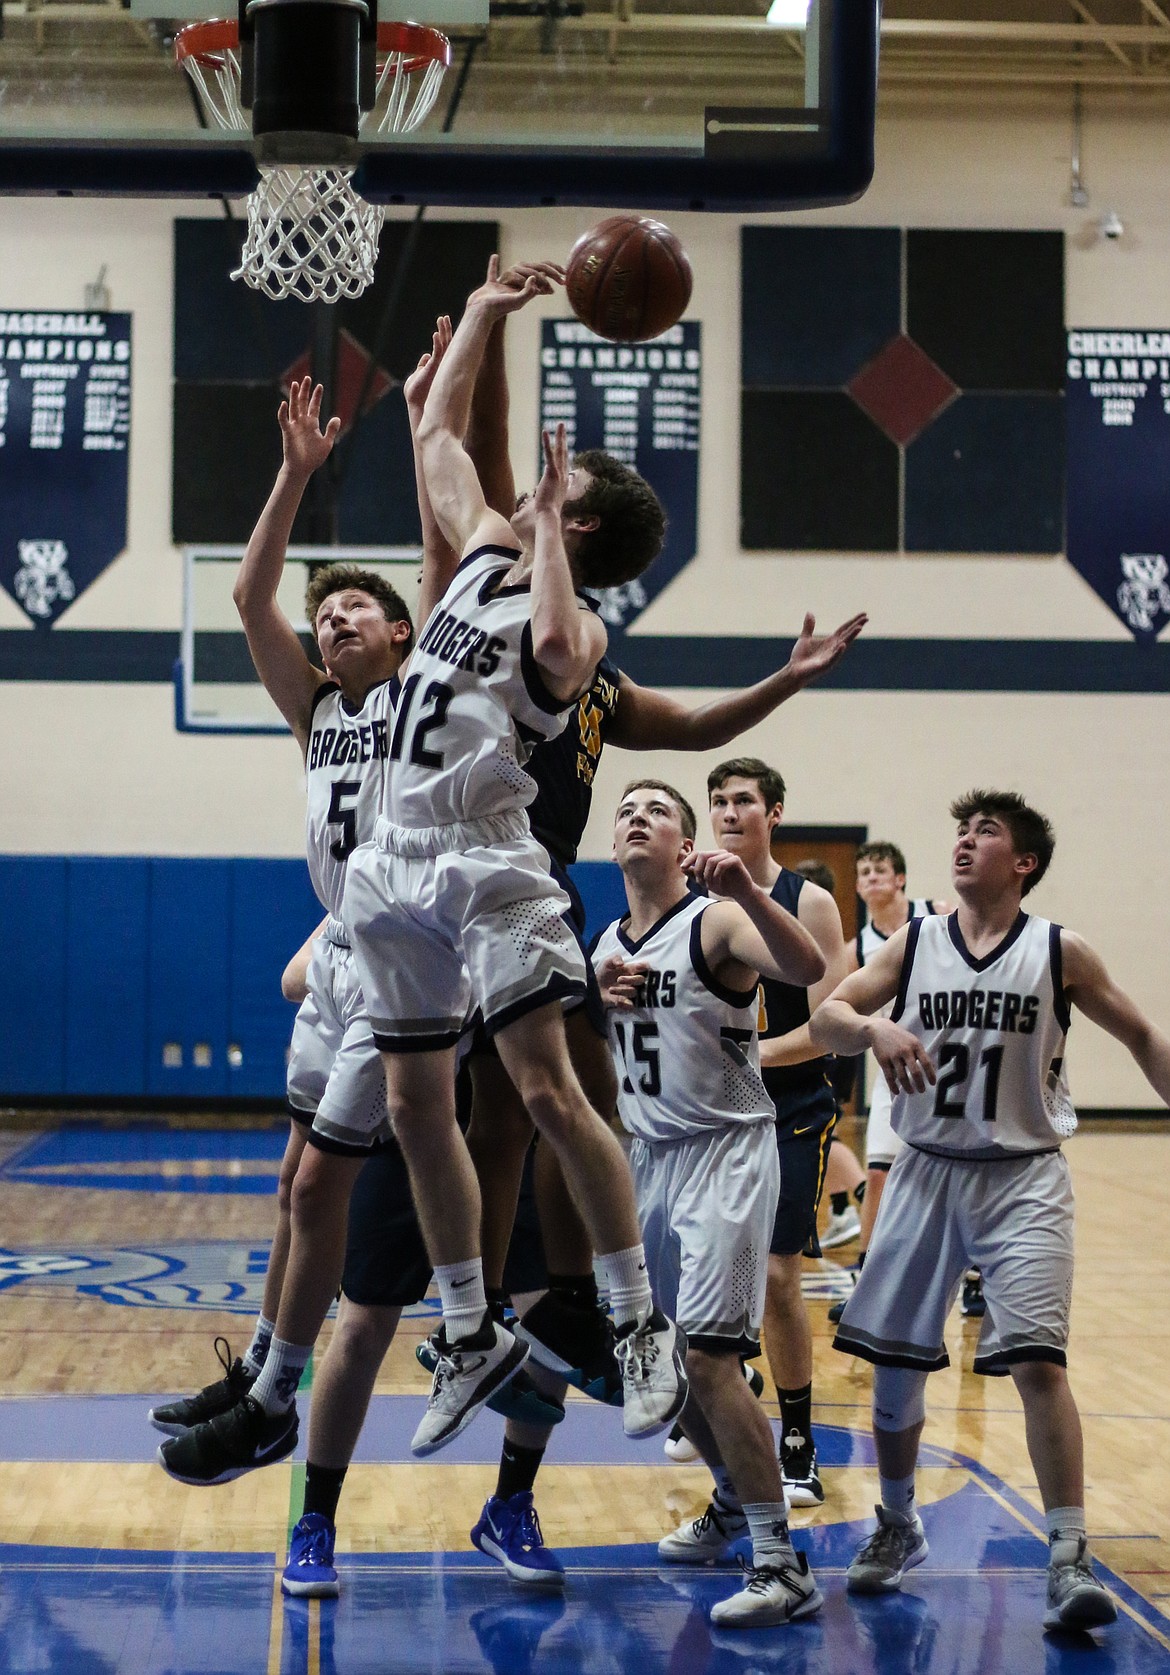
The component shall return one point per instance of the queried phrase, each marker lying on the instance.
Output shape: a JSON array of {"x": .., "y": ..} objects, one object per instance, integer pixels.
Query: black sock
[
  {"x": 575, "y": 1288},
  {"x": 839, "y": 1202},
  {"x": 518, "y": 1469},
  {"x": 859, "y": 1192},
  {"x": 796, "y": 1417},
  {"x": 323, "y": 1489},
  {"x": 497, "y": 1302}
]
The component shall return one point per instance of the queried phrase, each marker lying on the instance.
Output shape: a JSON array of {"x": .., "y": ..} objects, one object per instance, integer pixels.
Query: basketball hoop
[{"x": 310, "y": 235}]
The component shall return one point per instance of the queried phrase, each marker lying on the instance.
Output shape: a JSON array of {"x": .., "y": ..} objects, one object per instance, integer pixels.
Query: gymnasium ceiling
[{"x": 955, "y": 50}]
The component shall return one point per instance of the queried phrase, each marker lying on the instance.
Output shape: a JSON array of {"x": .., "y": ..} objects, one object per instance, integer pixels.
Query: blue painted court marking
[
  {"x": 144, "y": 1158},
  {"x": 974, "y": 1608}
]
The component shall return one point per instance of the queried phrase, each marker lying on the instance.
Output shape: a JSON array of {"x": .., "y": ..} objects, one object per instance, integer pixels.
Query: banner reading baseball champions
[
  {"x": 1117, "y": 406},
  {"x": 64, "y": 454}
]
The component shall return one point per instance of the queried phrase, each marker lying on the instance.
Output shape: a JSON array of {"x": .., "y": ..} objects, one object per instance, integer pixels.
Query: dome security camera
[{"x": 1111, "y": 226}]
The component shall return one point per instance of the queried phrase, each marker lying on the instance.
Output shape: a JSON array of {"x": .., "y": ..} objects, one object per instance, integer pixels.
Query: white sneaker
[
  {"x": 467, "y": 1373},
  {"x": 896, "y": 1546},
  {"x": 652, "y": 1357},
  {"x": 679, "y": 1447},
  {"x": 781, "y": 1592},
  {"x": 1076, "y": 1600},
  {"x": 839, "y": 1229},
  {"x": 705, "y": 1540}
]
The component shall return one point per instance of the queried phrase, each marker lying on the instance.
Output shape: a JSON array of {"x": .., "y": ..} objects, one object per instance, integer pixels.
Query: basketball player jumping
[
  {"x": 973, "y": 1053},
  {"x": 680, "y": 975},
  {"x": 454, "y": 905}
]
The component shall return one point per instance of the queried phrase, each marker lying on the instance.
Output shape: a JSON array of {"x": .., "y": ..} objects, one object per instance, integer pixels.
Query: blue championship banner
[
  {"x": 1117, "y": 407},
  {"x": 64, "y": 454},
  {"x": 640, "y": 402}
]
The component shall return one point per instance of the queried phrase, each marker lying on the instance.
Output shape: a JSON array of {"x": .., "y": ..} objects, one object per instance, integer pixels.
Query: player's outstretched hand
[
  {"x": 721, "y": 872},
  {"x": 305, "y": 445},
  {"x": 496, "y": 297},
  {"x": 554, "y": 482},
  {"x": 418, "y": 386},
  {"x": 620, "y": 981},
  {"x": 547, "y": 274},
  {"x": 813, "y": 657},
  {"x": 904, "y": 1061}
]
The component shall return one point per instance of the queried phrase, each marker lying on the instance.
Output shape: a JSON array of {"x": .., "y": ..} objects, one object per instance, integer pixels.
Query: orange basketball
[{"x": 628, "y": 278}]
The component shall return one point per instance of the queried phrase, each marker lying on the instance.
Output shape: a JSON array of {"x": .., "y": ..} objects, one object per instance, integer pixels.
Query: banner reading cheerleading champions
[
  {"x": 64, "y": 454},
  {"x": 1117, "y": 403}
]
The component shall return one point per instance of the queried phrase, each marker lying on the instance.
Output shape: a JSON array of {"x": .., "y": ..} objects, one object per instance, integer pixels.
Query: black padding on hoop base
[{"x": 307, "y": 59}]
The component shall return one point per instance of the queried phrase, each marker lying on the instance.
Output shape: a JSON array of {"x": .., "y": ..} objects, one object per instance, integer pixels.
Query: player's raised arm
[
  {"x": 650, "y": 720},
  {"x": 748, "y": 929},
  {"x": 567, "y": 639},
  {"x": 843, "y": 1023},
  {"x": 1092, "y": 991},
  {"x": 440, "y": 558},
  {"x": 487, "y": 428},
  {"x": 455, "y": 491},
  {"x": 286, "y": 672}
]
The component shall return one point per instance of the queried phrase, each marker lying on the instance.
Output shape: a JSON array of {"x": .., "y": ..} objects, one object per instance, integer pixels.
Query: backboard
[
  {"x": 217, "y": 689},
  {"x": 736, "y": 105}
]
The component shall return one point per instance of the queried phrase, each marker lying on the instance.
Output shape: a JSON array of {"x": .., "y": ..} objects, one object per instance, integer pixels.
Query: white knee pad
[{"x": 899, "y": 1398}]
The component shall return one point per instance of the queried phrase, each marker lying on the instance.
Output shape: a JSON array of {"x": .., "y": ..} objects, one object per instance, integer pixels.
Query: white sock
[
  {"x": 898, "y": 1496},
  {"x": 623, "y": 1275},
  {"x": 1066, "y": 1528},
  {"x": 276, "y": 1388},
  {"x": 768, "y": 1523},
  {"x": 257, "y": 1351},
  {"x": 463, "y": 1297}
]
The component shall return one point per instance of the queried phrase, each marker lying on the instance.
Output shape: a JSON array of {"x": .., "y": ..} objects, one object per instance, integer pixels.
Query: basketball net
[{"x": 310, "y": 234}]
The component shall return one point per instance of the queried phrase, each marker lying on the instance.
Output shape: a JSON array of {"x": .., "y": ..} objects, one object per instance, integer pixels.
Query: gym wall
[{"x": 97, "y": 769}]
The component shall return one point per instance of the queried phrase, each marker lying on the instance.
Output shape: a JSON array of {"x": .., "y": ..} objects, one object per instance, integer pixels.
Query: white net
[{"x": 310, "y": 234}]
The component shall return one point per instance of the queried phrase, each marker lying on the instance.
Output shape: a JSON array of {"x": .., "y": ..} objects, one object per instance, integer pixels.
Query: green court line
[{"x": 296, "y": 1486}]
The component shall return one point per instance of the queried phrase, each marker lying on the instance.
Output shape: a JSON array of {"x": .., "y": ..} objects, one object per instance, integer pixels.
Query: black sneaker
[
  {"x": 575, "y": 1340},
  {"x": 974, "y": 1304},
  {"x": 174, "y": 1418},
  {"x": 233, "y": 1443},
  {"x": 802, "y": 1481}
]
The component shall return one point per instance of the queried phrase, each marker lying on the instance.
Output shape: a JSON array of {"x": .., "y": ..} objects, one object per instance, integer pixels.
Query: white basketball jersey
[
  {"x": 870, "y": 939},
  {"x": 473, "y": 704},
  {"x": 995, "y": 1029},
  {"x": 687, "y": 1057},
  {"x": 344, "y": 768}
]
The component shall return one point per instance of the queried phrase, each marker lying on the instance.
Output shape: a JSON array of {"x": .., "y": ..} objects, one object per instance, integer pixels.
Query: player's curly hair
[
  {"x": 337, "y": 578},
  {"x": 769, "y": 780},
  {"x": 1032, "y": 833},
  {"x": 632, "y": 524},
  {"x": 686, "y": 813},
  {"x": 882, "y": 850}
]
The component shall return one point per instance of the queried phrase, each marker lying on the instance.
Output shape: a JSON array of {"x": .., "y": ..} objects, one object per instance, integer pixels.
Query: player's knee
[
  {"x": 362, "y": 1334},
  {"x": 317, "y": 1189},
  {"x": 554, "y": 1100},
  {"x": 1038, "y": 1378},
  {"x": 784, "y": 1291},
  {"x": 899, "y": 1398},
  {"x": 707, "y": 1369}
]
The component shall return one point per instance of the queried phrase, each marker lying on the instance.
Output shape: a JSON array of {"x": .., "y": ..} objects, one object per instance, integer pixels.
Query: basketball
[{"x": 628, "y": 278}]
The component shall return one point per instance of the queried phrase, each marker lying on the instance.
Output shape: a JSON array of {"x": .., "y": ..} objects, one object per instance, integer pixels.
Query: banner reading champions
[
  {"x": 64, "y": 454},
  {"x": 1117, "y": 405},
  {"x": 640, "y": 402}
]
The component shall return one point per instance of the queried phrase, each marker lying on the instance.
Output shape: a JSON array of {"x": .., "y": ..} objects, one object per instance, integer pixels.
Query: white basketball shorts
[
  {"x": 335, "y": 1078},
  {"x": 1010, "y": 1217},
  {"x": 444, "y": 918},
  {"x": 707, "y": 1204}
]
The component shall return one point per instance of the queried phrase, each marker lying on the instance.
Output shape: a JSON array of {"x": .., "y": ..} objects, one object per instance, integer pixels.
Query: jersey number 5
[
  {"x": 343, "y": 847},
  {"x": 954, "y": 1063}
]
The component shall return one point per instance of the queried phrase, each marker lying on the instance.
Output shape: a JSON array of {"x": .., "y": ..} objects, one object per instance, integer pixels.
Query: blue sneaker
[
  {"x": 509, "y": 1530},
  {"x": 310, "y": 1573}
]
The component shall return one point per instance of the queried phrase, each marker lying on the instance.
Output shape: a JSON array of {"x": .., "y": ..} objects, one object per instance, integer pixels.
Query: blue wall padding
[{"x": 113, "y": 959}]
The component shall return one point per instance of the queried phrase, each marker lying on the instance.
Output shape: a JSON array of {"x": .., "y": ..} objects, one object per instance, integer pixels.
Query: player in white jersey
[
  {"x": 336, "y": 1091},
  {"x": 454, "y": 904},
  {"x": 679, "y": 974},
  {"x": 881, "y": 884},
  {"x": 973, "y": 1053}
]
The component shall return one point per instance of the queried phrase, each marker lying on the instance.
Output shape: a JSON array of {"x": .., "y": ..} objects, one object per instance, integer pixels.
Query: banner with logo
[
  {"x": 640, "y": 402},
  {"x": 64, "y": 454},
  {"x": 1117, "y": 406}
]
